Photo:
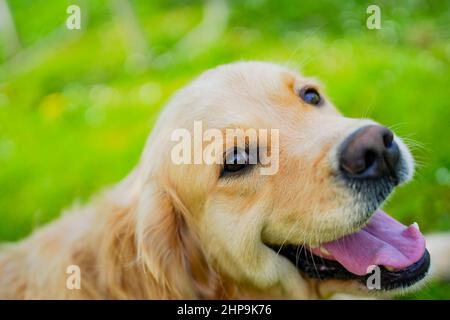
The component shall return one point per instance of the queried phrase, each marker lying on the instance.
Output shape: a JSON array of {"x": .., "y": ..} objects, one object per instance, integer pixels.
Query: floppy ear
[{"x": 168, "y": 245}]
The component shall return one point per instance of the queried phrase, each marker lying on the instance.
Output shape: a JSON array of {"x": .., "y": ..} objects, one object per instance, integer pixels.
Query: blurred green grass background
[{"x": 77, "y": 105}]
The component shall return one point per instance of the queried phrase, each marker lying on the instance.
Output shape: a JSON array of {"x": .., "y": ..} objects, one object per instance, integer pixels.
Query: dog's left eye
[{"x": 310, "y": 96}]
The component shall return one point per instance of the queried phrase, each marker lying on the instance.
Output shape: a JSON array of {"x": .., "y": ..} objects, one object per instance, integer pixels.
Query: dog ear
[{"x": 169, "y": 247}]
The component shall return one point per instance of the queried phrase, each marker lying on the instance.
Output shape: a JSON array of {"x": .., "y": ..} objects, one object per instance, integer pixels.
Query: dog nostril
[
  {"x": 392, "y": 155},
  {"x": 388, "y": 138},
  {"x": 369, "y": 159}
]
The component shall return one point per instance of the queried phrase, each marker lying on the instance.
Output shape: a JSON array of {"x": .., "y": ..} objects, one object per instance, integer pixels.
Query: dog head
[{"x": 312, "y": 217}]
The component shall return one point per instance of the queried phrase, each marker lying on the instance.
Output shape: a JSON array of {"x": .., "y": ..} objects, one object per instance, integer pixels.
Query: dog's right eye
[{"x": 235, "y": 160}]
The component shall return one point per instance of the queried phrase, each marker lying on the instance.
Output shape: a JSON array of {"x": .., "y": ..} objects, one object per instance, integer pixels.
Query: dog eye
[
  {"x": 310, "y": 96},
  {"x": 236, "y": 160}
]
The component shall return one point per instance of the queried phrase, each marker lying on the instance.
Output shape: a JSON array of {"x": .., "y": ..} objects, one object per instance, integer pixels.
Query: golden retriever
[{"x": 224, "y": 230}]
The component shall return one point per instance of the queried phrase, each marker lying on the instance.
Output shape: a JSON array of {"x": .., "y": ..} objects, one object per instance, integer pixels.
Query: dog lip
[
  {"x": 321, "y": 268},
  {"x": 383, "y": 241},
  {"x": 399, "y": 251}
]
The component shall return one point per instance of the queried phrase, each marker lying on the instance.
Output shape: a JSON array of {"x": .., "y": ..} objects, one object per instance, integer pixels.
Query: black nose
[{"x": 369, "y": 152}]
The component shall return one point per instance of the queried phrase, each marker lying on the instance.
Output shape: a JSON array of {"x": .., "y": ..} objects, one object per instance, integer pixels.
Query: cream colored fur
[{"x": 178, "y": 231}]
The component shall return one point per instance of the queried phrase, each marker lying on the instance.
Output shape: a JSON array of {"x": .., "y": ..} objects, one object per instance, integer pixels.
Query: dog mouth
[{"x": 398, "y": 251}]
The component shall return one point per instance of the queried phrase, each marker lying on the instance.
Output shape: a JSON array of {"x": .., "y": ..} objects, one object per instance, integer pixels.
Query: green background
[{"x": 77, "y": 105}]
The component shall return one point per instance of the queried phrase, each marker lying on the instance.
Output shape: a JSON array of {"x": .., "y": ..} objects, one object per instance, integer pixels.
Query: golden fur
[{"x": 170, "y": 232}]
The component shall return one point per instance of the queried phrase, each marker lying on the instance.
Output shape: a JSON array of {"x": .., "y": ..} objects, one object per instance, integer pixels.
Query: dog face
[{"x": 333, "y": 173}]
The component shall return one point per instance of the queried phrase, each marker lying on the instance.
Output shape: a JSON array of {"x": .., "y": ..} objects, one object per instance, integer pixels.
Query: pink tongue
[{"x": 383, "y": 242}]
